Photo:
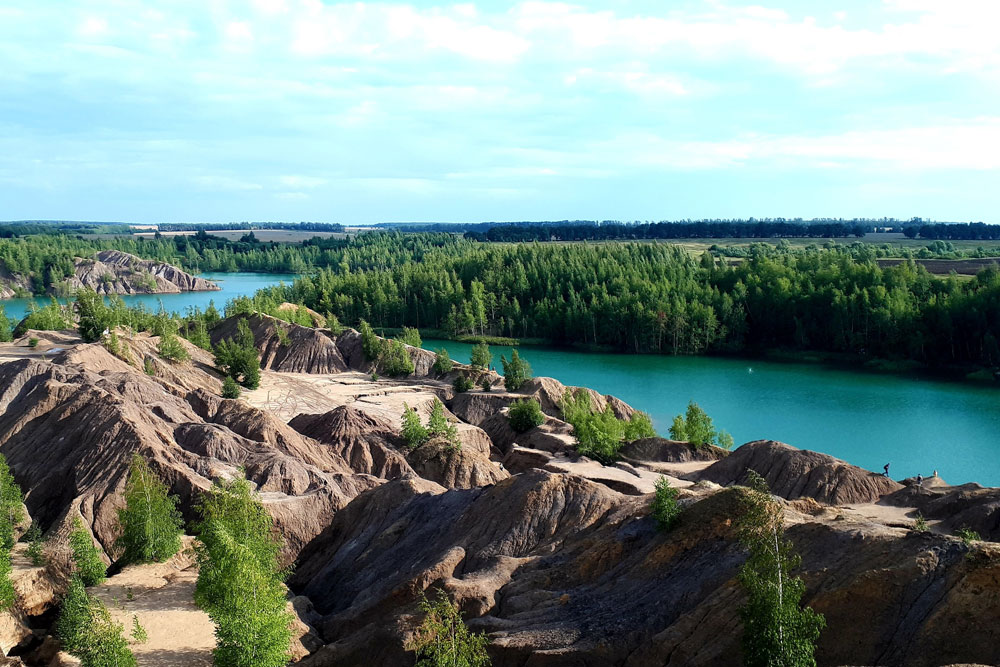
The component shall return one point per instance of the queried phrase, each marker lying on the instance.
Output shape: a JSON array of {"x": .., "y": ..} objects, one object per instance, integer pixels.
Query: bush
[
  {"x": 6, "y": 327},
  {"x": 32, "y": 342},
  {"x": 442, "y": 362},
  {"x": 920, "y": 524},
  {"x": 171, "y": 347},
  {"x": 87, "y": 631},
  {"x": 410, "y": 336},
  {"x": 11, "y": 505},
  {"x": 515, "y": 372},
  {"x": 238, "y": 358},
  {"x": 665, "y": 508},
  {"x": 524, "y": 415},
  {"x": 148, "y": 367},
  {"x": 480, "y": 357},
  {"x": 600, "y": 435},
  {"x": 485, "y": 384},
  {"x": 36, "y": 545},
  {"x": 230, "y": 388},
  {"x": 443, "y": 639},
  {"x": 968, "y": 535},
  {"x": 150, "y": 523},
  {"x": 86, "y": 557},
  {"x": 462, "y": 384},
  {"x": 439, "y": 426},
  {"x": 196, "y": 332},
  {"x": 371, "y": 344},
  {"x": 396, "y": 361},
  {"x": 696, "y": 428},
  {"x": 53, "y": 317},
  {"x": 282, "y": 336},
  {"x": 414, "y": 433}
]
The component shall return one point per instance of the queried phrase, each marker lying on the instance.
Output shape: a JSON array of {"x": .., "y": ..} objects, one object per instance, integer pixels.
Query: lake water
[
  {"x": 916, "y": 424},
  {"x": 232, "y": 284}
]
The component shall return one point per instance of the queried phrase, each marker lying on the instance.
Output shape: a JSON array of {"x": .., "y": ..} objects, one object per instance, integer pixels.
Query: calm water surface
[
  {"x": 232, "y": 284},
  {"x": 916, "y": 424}
]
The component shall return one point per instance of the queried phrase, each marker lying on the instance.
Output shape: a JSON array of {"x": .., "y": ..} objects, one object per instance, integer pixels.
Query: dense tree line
[
  {"x": 671, "y": 230},
  {"x": 229, "y": 226},
  {"x": 644, "y": 297},
  {"x": 972, "y": 231}
]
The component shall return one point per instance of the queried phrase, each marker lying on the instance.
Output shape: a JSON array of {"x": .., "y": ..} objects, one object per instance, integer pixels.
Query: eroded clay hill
[
  {"x": 552, "y": 554},
  {"x": 116, "y": 272}
]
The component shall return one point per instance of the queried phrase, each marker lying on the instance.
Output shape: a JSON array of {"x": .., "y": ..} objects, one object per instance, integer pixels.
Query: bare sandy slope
[{"x": 162, "y": 597}]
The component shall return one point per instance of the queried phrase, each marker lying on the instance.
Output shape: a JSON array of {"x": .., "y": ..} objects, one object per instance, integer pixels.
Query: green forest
[{"x": 641, "y": 297}]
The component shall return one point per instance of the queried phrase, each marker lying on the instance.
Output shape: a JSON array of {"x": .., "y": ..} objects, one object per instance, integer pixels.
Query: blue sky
[{"x": 206, "y": 110}]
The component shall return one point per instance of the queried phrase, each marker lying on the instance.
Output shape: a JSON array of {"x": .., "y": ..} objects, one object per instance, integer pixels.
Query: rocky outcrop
[
  {"x": 799, "y": 473},
  {"x": 661, "y": 450},
  {"x": 116, "y": 272},
  {"x": 967, "y": 506},
  {"x": 368, "y": 443},
  {"x": 454, "y": 467},
  {"x": 296, "y": 349}
]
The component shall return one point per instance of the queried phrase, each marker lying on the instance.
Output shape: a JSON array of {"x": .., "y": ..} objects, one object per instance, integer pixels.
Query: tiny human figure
[
  {"x": 935, "y": 473},
  {"x": 920, "y": 480},
  {"x": 886, "y": 468}
]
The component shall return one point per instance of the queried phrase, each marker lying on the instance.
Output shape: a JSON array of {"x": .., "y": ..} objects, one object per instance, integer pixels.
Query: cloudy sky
[{"x": 199, "y": 110}]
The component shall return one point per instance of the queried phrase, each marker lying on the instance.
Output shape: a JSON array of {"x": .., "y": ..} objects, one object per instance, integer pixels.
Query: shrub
[
  {"x": 150, "y": 523},
  {"x": 230, "y": 388},
  {"x": 238, "y": 358},
  {"x": 11, "y": 505},
  {"x": 600, "y": 435},
  {"x": 282, "y": 336},
  {"x": 148, "y": 367},
  {"x": 480, "y": 357},
  {"x": 86, "y": 557},
  {"x": 410, "y": 336},
  {"x": 371, "y": 344},
  {"x": 171, "y": 347},
  {"x": 485, "y": 384},
  {"x": 665, "y": 508},
  {"x": 696, "y": 427},
  {"x": 524, "y": 415},
  {"x": 443, "y": 639},
  {"x": 6, "y": 327},
  {"x": 32, "y": 342},
  {"x": 7, "y": 593},
  {"x": 396, "y": 359},
  {"x": 462, "y": 384},
  {"x": 52, "y": 317},
  {"x": 920, "y": 524},
  {"x": 439, "y": 426},
  {"x": 639, "y": 426},
  {"x": 197, "y": 333},
  {"x": 414, "y": 433},
  {"x": 88, "y": 631},
  {"x": 515, "y": 372},
  {"x": 968, "y": 535},
  {"x": 442, "y": 362},
  {"x": 36, "y": 545}
]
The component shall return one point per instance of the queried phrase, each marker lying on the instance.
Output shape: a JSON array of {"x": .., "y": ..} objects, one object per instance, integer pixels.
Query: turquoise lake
[
  {"x": 918, "y": 425},
  {"x": 232, "y": 284}
]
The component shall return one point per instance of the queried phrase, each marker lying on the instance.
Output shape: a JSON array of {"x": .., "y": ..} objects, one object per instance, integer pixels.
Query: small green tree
[
  {"x": 638, "y": 426},
  {"x": 442, "y": 362},
  {"x": 439, "y": 426},
  {"x": 150, "y": 523},
  {"x": 677, "y": 429},
  {"x": 11, "y": 505},
  {"x": 86, "y": 557},
  {"x": 7, "y": 593},
  {"x": 238, "y": 357},
  {"x": 777, "y": 630},
  {"x": 6, "y": 327},
  {"x": 410, "y": 336},
  {"x": 87, "y": 631},
  {"x": 230, "y": 388},
  {"x": 139, "y": 634},
  {"x": 462, "y": 384},
  {"x": 525, "y": 414},
  {"x": 197, "y": 333},
  {"x": 414, "y": 433},
  {"x": 665, "y": 508},
  {"x": 171, "y": 348},
  {"x": 239, "y": 579},
  {"x": 396, "y": 359},
  {"x": 485, "y": 383},
  {"x": 36, "y": 545},
  {"x": 371, "y": 345},
  {"x": 696, "y": 427},
  {"x": 480, "y": 357},
  {"x": 515, "y": 372},
  {"x": 443, "y": 640}
]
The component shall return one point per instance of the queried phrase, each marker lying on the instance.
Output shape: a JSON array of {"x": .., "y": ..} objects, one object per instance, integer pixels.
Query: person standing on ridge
[{"x": 886, "y": 468}]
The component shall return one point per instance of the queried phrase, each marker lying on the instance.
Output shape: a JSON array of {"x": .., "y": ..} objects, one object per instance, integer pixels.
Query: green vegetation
[
  {"x": 777, "y": 631},
  {"x": 88, "y": 632},
  {"x": 239, "y": 579},
  {"x": 696, "y": 428},
  {"x": 148, "y": 367},
  {"x": 170, "y": 346},
  {"x": 150, "y": 523},
  {"x": 395, "y": 359},
  {"x": 230, "y": 388},
  {"x": 51, "y": 317},
  {"x": 89, "y": 566},
  {"x": 665, "y": 508},
  {"x": 480, "y": 356},
  {"x": 485, "y": 384},
  {"x": 649, "y": 297},
  {"x": 525, "y": 414},
  {"x": 443, "y": 640},
  {"x": 36, "y": 545},
  {"x": 6, "y": 327},
  {"x": 442, "y": 362},
  {"x": 516, "y": 372},
  {"x": 238, "y": 358},
  {"x": 600, "y": 434},
  {"x": 33, "y": 342},
  {"x": 415, "y": 433},
  {"x": 462, "y": 384},
  {"x": 11, "y": 514},
  {"x": 967, "y": 535},
  {"x": 920, "y": 524},
  {"x": 410, "y": 336}
]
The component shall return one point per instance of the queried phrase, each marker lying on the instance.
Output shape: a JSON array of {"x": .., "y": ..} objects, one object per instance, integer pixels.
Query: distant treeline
[
  {"x": 971, "y": 231},
  {"x": 230, "y": 226},
  {"x": 671, "y": 230},
  {"x": 54, "y": 227}
]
